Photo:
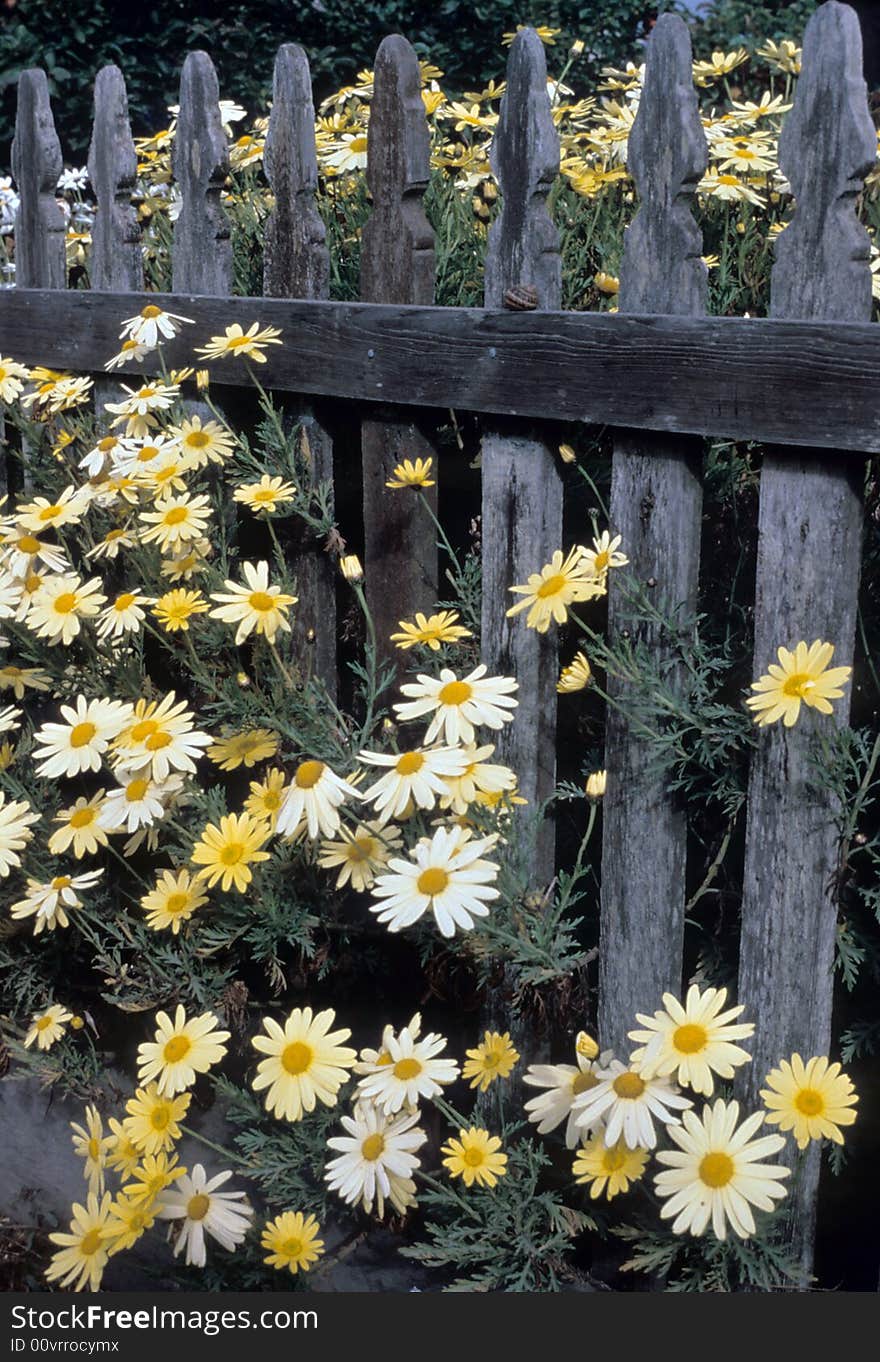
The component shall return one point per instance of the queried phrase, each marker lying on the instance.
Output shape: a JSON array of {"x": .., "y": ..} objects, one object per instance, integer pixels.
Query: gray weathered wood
[
  {"x": 397, "y": 266},
  {"x": 40, "y": 228},
  {"x": 117, "y": 261},
  {"x": 522, "y": 490},
  {"x": 202, "y": 249},
  {"x": 790, "y": 382},
  {"x": 809, "y": 550},
  {"x": 656, "y": 504},
  {"x": 296, "y": 264}
]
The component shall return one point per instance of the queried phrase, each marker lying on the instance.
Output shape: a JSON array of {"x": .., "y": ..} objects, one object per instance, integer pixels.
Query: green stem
[{"x": 218, "y": 1148}]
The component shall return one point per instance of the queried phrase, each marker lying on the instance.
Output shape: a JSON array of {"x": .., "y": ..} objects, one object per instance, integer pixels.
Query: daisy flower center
[
  {"x": 432, "y": 881},
  {"x": 175, "y": 903},
  {"x": 198, "y": 1206},
  {"x": 150, "y": 311},
  {"x": 65, "y": 602},
  {"x": 135, "y": 790},
  {"x": 473, "y": 1157},
  {"x": 61, "y": 881},
  {"x": 159, "y": 1118},
  {"x": 232, "y": 853},
  {"x": 797, "y": 685},
  {"x": 156, "y": 741},
  {"x": 28, "y": 544},
  {"x": 260, "y": 601},
  {"x": 176, "y": 1049},
  {"x": 272, "y": 800},
  {"x": 175, "y": 515},
  {"x": 601, "y": 560},
  {"x": 716, "y": 1170},
  {"x": 292, "y": 1248},
  {"x": 90, "y": 1243},
  {"x": 409, "y": 763},
  {"x": 361, "y": 849},
  {"x": 582, "y": 1082},
  {"x": 82, "y": 818},
  {"x": 372, "y": 1147},
  {"x": 144, "y": 456},
  {"x": 689, "y": 1039},
  {"x": 49, "y": 512},
  {"x": 197, "y": 439},
  {"x": 143, "y": 730},
  {"x": 612, "y": 1159},
  {"x": 44, "y": 1023},
  {"x": 307, "y": 774},
  {"x": 109, "y": 442},
  {"x": 296, "y": 1058},
  {"x": 123, "y": 602},
  {"x": 94, "y": 1149},
  {"x": 809, "y": 1102},
  {"x": 407, "y": 1068},
  {"x": 551, "y": 587},
  {"x": 455, "y": 693},
  {"x": 82, "y": 734},
  {"x": 236, "y": 342},
  {"x": 629, "y": 1085}
]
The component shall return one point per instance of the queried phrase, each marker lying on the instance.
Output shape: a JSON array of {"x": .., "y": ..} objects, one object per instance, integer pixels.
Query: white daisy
[
  {"x": 629, "y": 1100},
  {"x": 459, "y": 705},
  {"x": 314, "y": 794},
  {"x": 377, "y": 1159},
  {"x": 563, "y": 1084},
  {"x": 419, "y": 776},
  {"x": 151, "y": 323},
  {"x": 411, "y": 1072},
  {"x": 194, "y": 1199},
  {"x": 138, "y": 803},
  {"x": 446, "y": 875},
  {"x": 48, "y": 902},
  {"x": 80, "y": 742}
]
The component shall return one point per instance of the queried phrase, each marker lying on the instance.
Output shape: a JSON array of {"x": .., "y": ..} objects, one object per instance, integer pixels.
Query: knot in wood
[{"x": 521, "y": 298}]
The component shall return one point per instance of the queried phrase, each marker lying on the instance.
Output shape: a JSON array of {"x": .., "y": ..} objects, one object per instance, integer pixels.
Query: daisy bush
[{"x": 314, "y": 907}]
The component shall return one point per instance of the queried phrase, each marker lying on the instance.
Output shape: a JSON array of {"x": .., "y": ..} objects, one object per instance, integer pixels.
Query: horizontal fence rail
[{"x": 746, "y": 378}]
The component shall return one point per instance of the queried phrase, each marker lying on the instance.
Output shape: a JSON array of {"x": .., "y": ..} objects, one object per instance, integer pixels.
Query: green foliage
[{"x": 710, "y": 1264}]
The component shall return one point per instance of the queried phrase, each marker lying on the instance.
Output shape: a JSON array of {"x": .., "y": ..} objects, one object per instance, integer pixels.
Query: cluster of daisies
[
  {"x": 304, "y": 1061},
  {"x": 719, "y": 1166}
]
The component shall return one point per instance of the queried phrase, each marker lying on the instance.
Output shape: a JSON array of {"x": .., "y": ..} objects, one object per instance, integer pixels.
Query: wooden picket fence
[{"x": 661, "y": 372}]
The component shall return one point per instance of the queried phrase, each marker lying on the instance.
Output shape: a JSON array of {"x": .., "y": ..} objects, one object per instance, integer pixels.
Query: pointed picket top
[
  {"x": 397, "y": 256},
  {"x": 661, "y": 270},
  {"x": 117, "y": 261},
  {"x": 523, "y": 247},
  {"x": 40, "y": 227},
  {"x": 202, "y": 250},
  {"x": 826, "y": 148},
  {"x": 296, "y": 259}
]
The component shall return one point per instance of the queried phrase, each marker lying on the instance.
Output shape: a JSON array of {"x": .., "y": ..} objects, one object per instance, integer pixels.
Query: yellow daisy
[
  {"x": 129, "y": 1220},
  {"x": 608, "y": 1169},
  {"x": 693, "y": 1040},
  {"x": 175, "y": 522},
  {"x": 172, "y": 901},
  {"x": 266, "y": 796},
  {"x": 256, "y": 606},
  {"x": 359, "y": 854},
  {"x": 47, "y": 1027},
  {"x": 576, "y": 676},
  {"x": 812, "y": 1100},
  {"x": 475, "y": 1157},
  {"x": 81, "y": 1260},
  {"x": 182, "y": 1050},
  {"x": 91, "y": 1144},
  {"x": 306, "y": 1062},
  {"x": 243, "y": 749},
  {"x": 560, "y": 583},
  {"x": 411, "y": 473},
  {"x": 152, "y": 1121},
  {"x": 430, "y": 630},
  {"x": 266, "y": 495},
  {"x": 493, "y": 1058},
  {"x": 203, "y": 442},
  {"x": 176, "y": 608},
  {"x": 802, "y": 675},
  {"x": 234, "y": 342},
  {"x": 80, "y": 827},
  {"x": 226, "y": 853},
  {"x": 292, "y": 1241},
  {"x": 60, "y": 604}
]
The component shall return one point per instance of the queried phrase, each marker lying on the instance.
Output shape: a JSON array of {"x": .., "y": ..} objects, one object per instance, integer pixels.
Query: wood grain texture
[
  {"x": 656, "y": 506},
  {"x": 116, "y": 261},
  {"x": 397, "y": 266},
  {"x": 788, "y": 382},
  {"x": 202, "y": 249},
  {"x": 296, "y": 264},
  {"x": 521, "y": 487},
  {"x": 809, "y": 551},
  {"x": 40, "y": 227}
]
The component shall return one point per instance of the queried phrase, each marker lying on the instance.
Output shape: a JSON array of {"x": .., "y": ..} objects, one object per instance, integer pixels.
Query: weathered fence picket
[
  {"x": 296, "y": 264},
  {"x": 117, "y": 259},
  {"x": 656, "y": 505},
  {"x": 522, "y": 490},
  {"x": 397, "y": 266},
  {"x": 201, "y": 260},
  {"x": 40, "y": 226},
  {"x": 809, "y": 552}
]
